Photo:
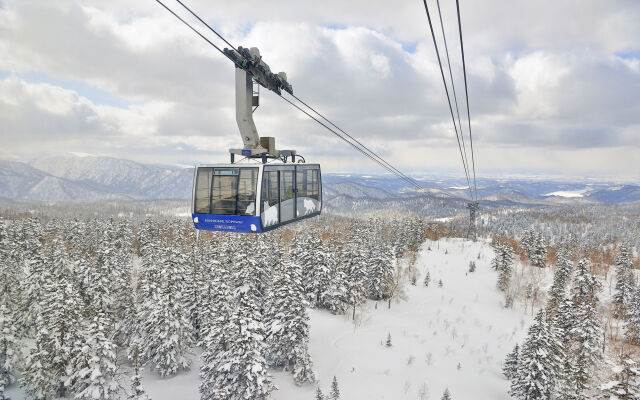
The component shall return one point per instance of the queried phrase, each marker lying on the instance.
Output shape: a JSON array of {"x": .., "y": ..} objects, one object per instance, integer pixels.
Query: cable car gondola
[{"x": 255, "y": 195}]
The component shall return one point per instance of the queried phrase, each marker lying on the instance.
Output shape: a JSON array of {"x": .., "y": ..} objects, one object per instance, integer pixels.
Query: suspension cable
[
  {"x": 466, "y": 92},
  {"x": 359, "y": 146},
  {"x": 444, "y": 81},
  {"x": 453, "y": 86},
  {"x": 352, "y": 138},
  {"x": 400, "y": 175}
]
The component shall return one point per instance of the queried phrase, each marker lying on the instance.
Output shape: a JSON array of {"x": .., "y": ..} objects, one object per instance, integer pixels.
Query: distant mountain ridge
[{"x": 93, "y": 178}]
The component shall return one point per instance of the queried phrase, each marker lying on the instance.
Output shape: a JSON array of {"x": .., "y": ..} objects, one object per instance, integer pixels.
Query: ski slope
[{"x": 432, "y": 331}]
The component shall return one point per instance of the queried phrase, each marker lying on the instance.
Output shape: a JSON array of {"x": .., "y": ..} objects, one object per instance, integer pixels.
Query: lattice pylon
[{"x": 473, "y": 211}]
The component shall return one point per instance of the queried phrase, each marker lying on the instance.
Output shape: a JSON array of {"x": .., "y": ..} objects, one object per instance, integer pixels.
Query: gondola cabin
[{"x": 254, "y": 198}]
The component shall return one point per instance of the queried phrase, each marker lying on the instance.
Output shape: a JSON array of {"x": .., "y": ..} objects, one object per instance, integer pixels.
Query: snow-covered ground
[
  {"x": 432, "y": 332},
  {"x": 453, "y": 336}
]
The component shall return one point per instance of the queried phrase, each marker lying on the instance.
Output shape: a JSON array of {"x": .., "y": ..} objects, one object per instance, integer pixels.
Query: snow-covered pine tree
[
  {"x": 587, "y": 335},
  {"x": 32, "y": 286},
  {"x": 564, "y": 321},
  {"x": 37, "y": 378},
  {"x": 632, "y": 326},
  {"x": 319, "y": 395},
  {"x": 510, "y": 368},
  {"x": 427, "y": 279},
  {"x": 62, "y": 307},
  {"x": 336, "y": 298},
  {"x": 11, "y": 271},
  {"x": 167, "y": 332},
  {"x": 325, "y": 260},
  {"x": 624, "y": 283},
  {"x": 380, "y": 271},
  {"x": 96, "y": 375},
  {"x": 538, "y": 256},
  {"x": 137, "y": 389},
  {"x": 354, "y": 259},
  {"x": 288, "y": 333},
  {"x": 538, "y": 364},
  {"x": 528, "y": 241},
  {"x": 10, "y": 348},
  {"x": 242, "y": 369},
  {"x": 446, "y": 395},
  {"x": 560, "y": 281},
  {"x": 335, "y": 390},
  {"x": 216, "y": 327},
  {"x": 585, "y": 285}
]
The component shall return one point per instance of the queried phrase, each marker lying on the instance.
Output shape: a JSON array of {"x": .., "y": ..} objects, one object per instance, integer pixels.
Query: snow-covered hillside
[{"x": 453, "y": 336}]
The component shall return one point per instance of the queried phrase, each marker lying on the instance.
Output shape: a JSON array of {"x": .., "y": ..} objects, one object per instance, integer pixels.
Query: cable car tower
[{"x": 473, "y": 212}]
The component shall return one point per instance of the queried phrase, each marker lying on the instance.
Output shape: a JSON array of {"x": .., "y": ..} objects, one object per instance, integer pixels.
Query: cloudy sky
[{"x": 554, "y": 86}]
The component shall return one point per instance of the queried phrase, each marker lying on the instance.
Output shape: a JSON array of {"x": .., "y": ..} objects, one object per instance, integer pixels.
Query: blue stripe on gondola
[{"x": 227, "y": 223}]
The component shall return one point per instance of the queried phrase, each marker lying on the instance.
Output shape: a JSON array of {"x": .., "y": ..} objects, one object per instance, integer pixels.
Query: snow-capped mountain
[
  {"x": 121, "y": 176},
  {"x": 21, "y": 181},
  {"x": 83, "y": 178}
]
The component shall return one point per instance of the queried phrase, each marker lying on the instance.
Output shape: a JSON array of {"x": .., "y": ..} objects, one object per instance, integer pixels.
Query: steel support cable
[
  {"x": 466, "y": 92},
  {"x": 381, "y": 163},
  {"x": 408, "y": 180},
  {"x": 354, "y": 139},
  {"x": 446, "y": 89},
  {"x": 453, "y": 86},
  {"x": 207, "y": 25}
]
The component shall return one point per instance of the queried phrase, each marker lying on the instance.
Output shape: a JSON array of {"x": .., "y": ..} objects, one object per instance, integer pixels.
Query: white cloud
[{"x": 536, "y": 81}]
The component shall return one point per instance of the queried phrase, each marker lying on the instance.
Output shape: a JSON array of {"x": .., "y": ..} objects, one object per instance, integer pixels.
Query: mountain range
[{"x": 91, "y": 178}]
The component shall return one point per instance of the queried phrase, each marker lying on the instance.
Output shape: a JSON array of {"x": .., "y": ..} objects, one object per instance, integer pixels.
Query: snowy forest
[
  {"x": 86, "y": 304},
  {"x": 89, "y": 304}
]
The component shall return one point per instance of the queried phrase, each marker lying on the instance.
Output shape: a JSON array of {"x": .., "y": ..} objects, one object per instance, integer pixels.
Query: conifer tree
[
  {"x": 427, "y": 279},
  {"x": 446, "y": 395},
  {"x": 624, "y": 283},
  {"x": 10, "y": 348},
  {"x": 587, "y": 334},
  {"x": 335, "y": 391},
  {"x": 538, "y": 256},
  {"x": 241, "y": 372},
  {"x": 319, "y": 395},
  {"x": 38, "y": 379},
  {"x": 632, "y": 327},
  {"x": 585, "y": 285},
  {"x": 62, "y": 307},
  {"x": 137, "y": 389},
  {"x": 560, "y": 281},
  {"x": 167, "y": 331},
  {"x": 510, "y": 368},
  {"x": 96, "y": 376},
  {"x": 353, "y": 257},
  {"x": 381, "y": 270},
  {"x": 538, "y": 364},
  {"x": 288, "y": 333}
]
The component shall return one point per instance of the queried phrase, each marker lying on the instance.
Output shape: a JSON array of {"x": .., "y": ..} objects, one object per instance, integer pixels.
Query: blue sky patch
[
  {"x": 410, "y": 47},
  {"x": 96, "y": 95},
  {"x": 628, "y": 55}
]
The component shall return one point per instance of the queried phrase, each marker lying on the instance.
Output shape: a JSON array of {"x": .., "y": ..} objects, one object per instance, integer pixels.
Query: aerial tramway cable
[
  {"x": 466, "y": 92},
  {"x": 353, "y": 142},
  {"x": 453, "y": 87},
  {"x": 444, "y": 81}
]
